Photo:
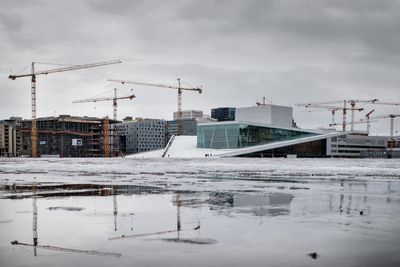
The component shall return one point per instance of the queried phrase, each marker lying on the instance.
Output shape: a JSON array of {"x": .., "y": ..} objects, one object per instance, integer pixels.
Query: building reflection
[
  {"x": 272, "y": 204},
  {"x": 35, "y": 245}
]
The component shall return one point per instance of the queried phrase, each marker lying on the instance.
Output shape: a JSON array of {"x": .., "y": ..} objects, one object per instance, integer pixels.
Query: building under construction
[{"x": 68, "y": 136}]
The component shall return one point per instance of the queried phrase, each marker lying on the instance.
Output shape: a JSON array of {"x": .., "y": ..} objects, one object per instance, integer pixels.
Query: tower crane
[
  {"x": 370, "y": 119},
  {"x": 179, "y": 88},
  {"x": 353, "y": 108},
  {"x": 353, "y": 104},
  {"x": 114, "y": 99},
  {"x": 333, "y": 110},
  {"x": 33, "y": 75},
  {"x": 391, "y": 117},
  {"x": 367, "y": 116},
  {"x": 35, "y": 244},
  {"x": 367, "y": 121}
]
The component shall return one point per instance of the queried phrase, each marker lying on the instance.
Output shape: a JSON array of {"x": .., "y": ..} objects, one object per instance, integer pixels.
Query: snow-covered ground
[
  {"x": 171, "y": 169},
  {"x": 182, "y": 147}
]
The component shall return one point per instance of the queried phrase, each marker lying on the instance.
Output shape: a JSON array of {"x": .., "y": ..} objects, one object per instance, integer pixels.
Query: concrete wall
[{"x": 269, "y": 114}]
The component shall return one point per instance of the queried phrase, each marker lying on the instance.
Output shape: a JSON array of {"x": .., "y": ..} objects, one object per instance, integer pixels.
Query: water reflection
[
  {"x": 173, "y": 225},
  {"x": 35, "y": 214},
  {"x": 115, "y": 210},
  {"x": 179, "y": 230},
  {"x": 64, "y": 190},
  {"x": 272, "y": 204},
  {"x": 36, "y": 245}
]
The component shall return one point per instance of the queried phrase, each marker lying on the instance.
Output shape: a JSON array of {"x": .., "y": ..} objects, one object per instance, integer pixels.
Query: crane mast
[
  {"x": 115, "y": 104},
  {"x": 35, "y": 218},
  {"x": 179, "y": 107},
  {"x": 179, "y": 88},
  {"x": 367, "y": 116},
  {"x": 33, "y": 106},
  {"x": 33, "y": 75}
]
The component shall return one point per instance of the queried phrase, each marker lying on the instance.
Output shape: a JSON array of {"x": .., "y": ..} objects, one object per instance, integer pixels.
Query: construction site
[
  {"x": 252, "y": 128},
  {"x": 67, "y": 136}
]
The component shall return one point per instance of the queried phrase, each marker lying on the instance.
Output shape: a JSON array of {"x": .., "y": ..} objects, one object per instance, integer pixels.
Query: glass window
[{"x": 242, "y": 135}]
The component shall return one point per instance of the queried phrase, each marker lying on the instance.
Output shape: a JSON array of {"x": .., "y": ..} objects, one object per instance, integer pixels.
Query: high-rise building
[{"x": 223, "y": 113}]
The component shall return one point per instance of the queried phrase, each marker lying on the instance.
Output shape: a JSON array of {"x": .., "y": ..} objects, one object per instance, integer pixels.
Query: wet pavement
[{"x": 69, "y": 212}]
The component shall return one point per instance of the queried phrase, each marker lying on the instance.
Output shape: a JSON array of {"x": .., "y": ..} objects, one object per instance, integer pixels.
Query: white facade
[{"x": 269, "y": 114}]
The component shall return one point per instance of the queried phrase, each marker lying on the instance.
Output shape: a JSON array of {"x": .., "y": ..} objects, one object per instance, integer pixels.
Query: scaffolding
[{"x": 67, "y": 136}]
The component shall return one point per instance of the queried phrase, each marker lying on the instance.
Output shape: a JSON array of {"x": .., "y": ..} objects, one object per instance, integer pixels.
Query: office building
[
  {"x": 223, "y": 113},
  {"x": 141, "y": 136}
]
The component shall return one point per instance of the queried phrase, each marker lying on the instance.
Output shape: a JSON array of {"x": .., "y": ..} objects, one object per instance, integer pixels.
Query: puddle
[{"x": 195, "y": 217}]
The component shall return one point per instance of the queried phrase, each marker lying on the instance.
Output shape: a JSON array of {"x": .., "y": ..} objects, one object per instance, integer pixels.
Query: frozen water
[{"x": 200, "y": 212}]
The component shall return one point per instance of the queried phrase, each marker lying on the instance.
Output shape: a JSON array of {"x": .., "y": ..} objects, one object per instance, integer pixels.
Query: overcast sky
[{"x": 239, "y": 51}]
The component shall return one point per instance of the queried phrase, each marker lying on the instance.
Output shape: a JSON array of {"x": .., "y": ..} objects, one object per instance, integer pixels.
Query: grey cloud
[{"x": 289, "y": 51}]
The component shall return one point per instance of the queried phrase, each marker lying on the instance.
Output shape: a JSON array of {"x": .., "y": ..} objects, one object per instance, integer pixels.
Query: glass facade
[{"x": 231, "y": 136}]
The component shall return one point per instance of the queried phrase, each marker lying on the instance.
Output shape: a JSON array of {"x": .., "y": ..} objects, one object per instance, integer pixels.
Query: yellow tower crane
[
  {"x": 114, "y": 100},
  {"x": 33, "y": 75},
  {"x": 179, "y": 88}
]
